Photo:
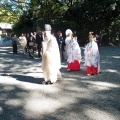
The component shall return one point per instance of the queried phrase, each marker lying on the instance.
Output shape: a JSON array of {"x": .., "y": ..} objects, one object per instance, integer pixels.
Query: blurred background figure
[
  {"x": 68, "y": 33},
  {"x": 75, "y": 36},
  {"x": 60, "y": 40},
  {"x": 39, "y": 39},
  {"x": 31, "y": 44},
  {"x": 14, "y": 43},
  {"x": 23, "y": 42},
  {"x": 98, "y": 40},
  {"x": 43, "y": 35},
  {"x": 27, "y": 38},
  {"x": 34, "y": 35}
]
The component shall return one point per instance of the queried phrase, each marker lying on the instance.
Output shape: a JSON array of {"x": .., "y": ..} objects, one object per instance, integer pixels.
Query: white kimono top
[
  {"x": 67, "y": 42},
  {"x": 73, "y": 51}
]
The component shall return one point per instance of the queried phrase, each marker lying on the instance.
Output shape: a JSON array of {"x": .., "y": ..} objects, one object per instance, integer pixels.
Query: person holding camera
[{"x": 31, "y": 44}]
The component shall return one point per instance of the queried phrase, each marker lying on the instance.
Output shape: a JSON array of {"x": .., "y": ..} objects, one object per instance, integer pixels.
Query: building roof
[{"x": 6, "y": 26}]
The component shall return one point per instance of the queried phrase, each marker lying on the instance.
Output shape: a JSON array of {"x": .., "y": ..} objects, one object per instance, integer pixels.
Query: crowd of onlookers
[
  {"x": 32, "y": 43},
  {"x": 28, "y": 43}
]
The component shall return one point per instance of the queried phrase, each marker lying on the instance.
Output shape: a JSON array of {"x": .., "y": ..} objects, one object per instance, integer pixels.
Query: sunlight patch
[
  {"x": 37, "y": 104},
  {"x": 71, "y": 79},
  {"x": 102, "y": 85},
  {"x": 96, "y": 114},
  {"x": 37, "y": 107},
  {"x": 2, "y": 50},
  {"x": 116, "y": 56},
  {"x": 14, "y": 102},
  {"x": 9, "y": 88},
  {"x": 3, "y": 53},
  {"x": 105, "y": 84},
  {"x": 85, "y": 77},
  {"x": 8, "y": 80},
  {"x": 113, "y": 71},
  {"x": 34, "y": 107},
  {"x": 63, "y": 66},
  {"x": 1, "y": 109}
]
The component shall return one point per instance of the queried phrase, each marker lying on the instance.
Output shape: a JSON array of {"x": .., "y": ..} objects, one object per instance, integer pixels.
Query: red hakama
[
  {"x": 92, "y": 70},
  {"x": 74, "y": 66}
]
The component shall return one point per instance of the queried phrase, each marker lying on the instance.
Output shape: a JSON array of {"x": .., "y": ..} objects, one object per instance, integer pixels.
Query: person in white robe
[
  {"x": 67, "y": 41},
  {"x": 92, "y": 56},
  {"x": 23, "y": 42},
  {"x": 73, "y": 52},
  {"x": 50, "y": 57}
]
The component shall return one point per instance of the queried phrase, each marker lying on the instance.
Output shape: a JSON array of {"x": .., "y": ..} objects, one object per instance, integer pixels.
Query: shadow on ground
[{"x": 74, "y": 97}]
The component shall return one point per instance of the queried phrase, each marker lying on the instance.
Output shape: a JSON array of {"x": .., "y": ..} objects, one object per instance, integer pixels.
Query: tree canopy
[{"x": 102, "y": 17}]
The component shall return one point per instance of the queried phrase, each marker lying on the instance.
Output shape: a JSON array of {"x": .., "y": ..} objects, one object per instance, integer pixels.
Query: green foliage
[{"x": 102, "y": 17}]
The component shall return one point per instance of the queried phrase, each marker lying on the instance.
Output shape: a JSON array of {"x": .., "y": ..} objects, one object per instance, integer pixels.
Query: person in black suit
[
  {"x": 39, "y": 39},
  {"x": 14, "y": 43},
  {"x": 27, "y": 38},
  {"x": 60, "y": 41},
  {"x": 98, "y": 40},
  {"x": 43, "y": 35}
]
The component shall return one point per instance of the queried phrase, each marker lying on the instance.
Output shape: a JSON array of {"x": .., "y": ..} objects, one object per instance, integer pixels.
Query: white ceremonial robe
[
  {"x": 67, "y": 42},
  {"x": 50, "y": 59},
  {"x": 73, "y": 51},
  {"x": 74, "y": 56},
  {"x": 92, "y": 56}
]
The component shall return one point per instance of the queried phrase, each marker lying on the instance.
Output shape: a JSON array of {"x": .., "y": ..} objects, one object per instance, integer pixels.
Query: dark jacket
[
  {"x": 14, "y": 40},
  {"x": 39, "y": 40},
  {"x": 59, "y": 41}
]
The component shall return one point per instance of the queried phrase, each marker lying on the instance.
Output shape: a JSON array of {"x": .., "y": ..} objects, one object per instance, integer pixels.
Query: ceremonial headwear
[
  {"x": 68, "y": 31},
  {"x": 47, "y": 30},
  {"x": 47, "y": 27}
]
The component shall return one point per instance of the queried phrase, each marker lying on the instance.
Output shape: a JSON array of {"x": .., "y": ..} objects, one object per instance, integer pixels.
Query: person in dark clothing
[
  {"x": 34, "y": 35},
  {"x": 63, "y": 49},
  {"x": 27, "y": 38},
  {"x": 14, "y": 44},
  {"x": 98, "y": 41},
  {"x": 34, "y": 38},
  {"x": 43, "y": 35},
  {"x": 31, "y": 44},
  {"x": 60, "y": 40},
  {"x": 39, "y": 39}
]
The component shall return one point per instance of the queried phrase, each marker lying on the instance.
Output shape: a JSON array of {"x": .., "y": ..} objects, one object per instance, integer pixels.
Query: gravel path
[{"x": 75, "y": 97}]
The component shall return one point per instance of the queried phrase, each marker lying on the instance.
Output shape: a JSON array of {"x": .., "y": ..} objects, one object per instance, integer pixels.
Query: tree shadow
[{"x": 76, "y": 97}]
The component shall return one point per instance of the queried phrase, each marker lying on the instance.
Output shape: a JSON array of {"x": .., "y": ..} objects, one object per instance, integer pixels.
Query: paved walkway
[{"x": 75, "y": 97}]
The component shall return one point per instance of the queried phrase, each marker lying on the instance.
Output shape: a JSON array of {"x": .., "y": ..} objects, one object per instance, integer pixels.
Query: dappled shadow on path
[
  {"x": 81, "y": 99},
  {"x": 74, "y": 97}
]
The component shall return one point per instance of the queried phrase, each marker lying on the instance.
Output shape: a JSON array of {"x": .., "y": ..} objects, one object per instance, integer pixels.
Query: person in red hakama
[
  {"x": 92, "y": 56},
  {"x": 73, "y": 52}
]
